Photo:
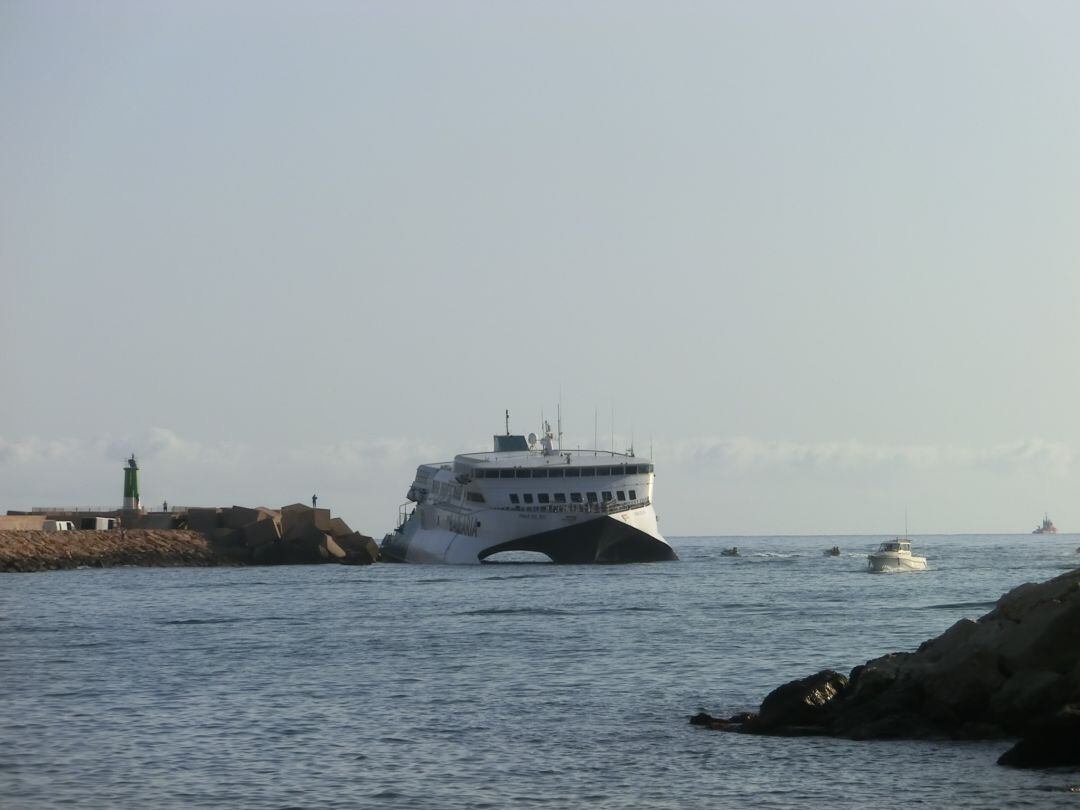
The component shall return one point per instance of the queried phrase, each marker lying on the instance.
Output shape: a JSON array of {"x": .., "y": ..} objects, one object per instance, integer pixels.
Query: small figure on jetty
[{"x": 314, "y": 500}]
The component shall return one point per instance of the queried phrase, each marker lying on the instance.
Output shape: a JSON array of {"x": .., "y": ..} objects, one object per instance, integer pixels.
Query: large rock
[
  {"x": 1052, "y": 741},
  {"x": 1013, "y": 672},
  {"x": 809, "y": 703}
]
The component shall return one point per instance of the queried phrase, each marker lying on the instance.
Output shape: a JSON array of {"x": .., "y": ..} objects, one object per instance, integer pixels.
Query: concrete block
[
  {"x": 237, "y": 517},
  {"x": 261, "y": 532},
  {"x": 22, "y": 523},
  {"x": 204, "y": 521},
  {"x": 339, "y": 528},
  {"x": 154, "y": 520},
  {"x": 267, "y": 554},
  {"x": 304, "y": 535},
  {"x": 302, "y": 544},
  {"x": 358, "y": 549},
  {"x": 331, "y": 550},
  {"x": 296, "y": 514},
  {"x": 226, "y": 538}
]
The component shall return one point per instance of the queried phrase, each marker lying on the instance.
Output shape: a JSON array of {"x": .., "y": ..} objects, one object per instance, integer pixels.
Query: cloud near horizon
[
  {"x": 737, "y": 454},
  {"x": 744, "y": 454}
]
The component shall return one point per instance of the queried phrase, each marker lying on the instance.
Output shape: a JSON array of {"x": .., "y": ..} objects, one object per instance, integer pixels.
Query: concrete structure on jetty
[
  {"x": 292, "y": 534},
  {"x": 239, "y": 535},
  {"x": 1015, "y": 672}
]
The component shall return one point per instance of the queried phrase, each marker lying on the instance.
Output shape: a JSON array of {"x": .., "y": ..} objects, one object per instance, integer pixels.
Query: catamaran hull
[{"x": 587, "y": 539}]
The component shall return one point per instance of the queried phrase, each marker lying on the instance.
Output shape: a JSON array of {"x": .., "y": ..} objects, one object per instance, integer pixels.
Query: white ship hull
[
  {"x": 524, "y": 495},
  {"x": 629, "y": 535},
  {"x": 890, "y": 562}
]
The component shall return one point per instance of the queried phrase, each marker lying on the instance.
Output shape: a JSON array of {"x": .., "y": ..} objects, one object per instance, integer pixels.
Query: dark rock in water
[
  {"x": 708, "y": 721},
  {"x": 810, "y": 702},
  {"x": 1052, "y": 741},
  {"x": 718, "y": 723},
  {"x": 1014, "y": 672}
]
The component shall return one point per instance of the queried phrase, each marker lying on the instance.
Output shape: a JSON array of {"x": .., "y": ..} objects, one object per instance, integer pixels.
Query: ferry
[{"x": 583, "y": 506}]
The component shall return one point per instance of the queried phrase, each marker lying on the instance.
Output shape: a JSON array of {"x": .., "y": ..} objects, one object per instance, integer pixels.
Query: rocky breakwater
[
  {"x": 292, "y": 535},
  {"x": 23, "y": 551},
  {"x": 1015, "y": 672}
]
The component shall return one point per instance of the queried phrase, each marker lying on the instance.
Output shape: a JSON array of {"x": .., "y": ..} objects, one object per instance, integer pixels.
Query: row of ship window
[
  {"x": 575, "y": 497},
  {"x": 564, "y": 472}
]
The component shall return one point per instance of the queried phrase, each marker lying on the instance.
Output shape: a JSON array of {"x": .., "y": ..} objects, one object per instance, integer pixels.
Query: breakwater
[
  {"x": 24, "y": 551},
  {"x": 238, "y": 535}
]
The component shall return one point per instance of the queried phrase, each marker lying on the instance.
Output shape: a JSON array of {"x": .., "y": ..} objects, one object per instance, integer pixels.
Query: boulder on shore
[{"x": 1015, "y": 672}]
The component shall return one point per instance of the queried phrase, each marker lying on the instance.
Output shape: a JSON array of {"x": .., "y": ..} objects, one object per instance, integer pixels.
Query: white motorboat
[
  {"x": 894, "y": 556},
  {"x": 585, "y": 506}
]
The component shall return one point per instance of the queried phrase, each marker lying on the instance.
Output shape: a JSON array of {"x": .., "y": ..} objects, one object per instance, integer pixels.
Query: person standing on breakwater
[{"x": 314, "y": 500}]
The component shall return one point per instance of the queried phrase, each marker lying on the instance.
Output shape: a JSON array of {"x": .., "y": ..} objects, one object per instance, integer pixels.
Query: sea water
[{"x": 513, "y": 685}]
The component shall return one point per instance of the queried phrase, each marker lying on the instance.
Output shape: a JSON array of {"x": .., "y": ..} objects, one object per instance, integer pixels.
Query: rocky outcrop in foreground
[
  {"x": 48, "y": 551},
  {"x": 1015, "y": 672}
]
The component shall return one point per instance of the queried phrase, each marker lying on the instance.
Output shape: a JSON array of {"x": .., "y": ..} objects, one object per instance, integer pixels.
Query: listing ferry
[{"x": 584, "y": 506}]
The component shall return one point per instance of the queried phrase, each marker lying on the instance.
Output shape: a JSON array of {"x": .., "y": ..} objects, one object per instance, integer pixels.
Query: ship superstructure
[{"x": 582, "y": 506}]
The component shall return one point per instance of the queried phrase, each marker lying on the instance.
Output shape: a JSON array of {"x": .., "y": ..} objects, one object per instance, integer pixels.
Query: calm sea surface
[{"x": 497, "y": 686}]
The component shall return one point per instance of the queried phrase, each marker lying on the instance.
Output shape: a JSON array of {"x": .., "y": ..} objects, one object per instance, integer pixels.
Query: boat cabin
[{"x": 896, "y": 546}]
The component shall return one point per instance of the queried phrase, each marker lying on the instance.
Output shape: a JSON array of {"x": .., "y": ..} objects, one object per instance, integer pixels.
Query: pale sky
[{"x": 822, "y": 257}]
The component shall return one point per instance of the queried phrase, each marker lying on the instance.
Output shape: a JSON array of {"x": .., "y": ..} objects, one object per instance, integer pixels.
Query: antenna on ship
[
  {"x": 507, "y": 421},
  {"x": 558, "y": 419},
  {"x": 595, "y": 428}
]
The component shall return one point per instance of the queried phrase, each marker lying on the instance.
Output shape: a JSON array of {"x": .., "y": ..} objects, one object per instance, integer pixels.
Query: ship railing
[
  {"x": 44, "y": 510},
  {"x": 404, "y": 513}
]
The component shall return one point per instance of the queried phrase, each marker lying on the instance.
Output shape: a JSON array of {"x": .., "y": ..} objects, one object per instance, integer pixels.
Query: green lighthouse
[{"x": 131, "y": 484}]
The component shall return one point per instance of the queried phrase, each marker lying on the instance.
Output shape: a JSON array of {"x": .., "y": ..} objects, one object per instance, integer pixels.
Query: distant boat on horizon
[{"x": 1047, "y": 526}]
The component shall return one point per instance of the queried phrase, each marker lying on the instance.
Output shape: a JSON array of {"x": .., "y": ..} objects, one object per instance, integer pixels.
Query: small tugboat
[
  {"x": 1047, "y": 526},
  {"x": 832, "y": 552},
  {"x": 895, "y": 556},
  {"x": 730, "y": 552}
]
